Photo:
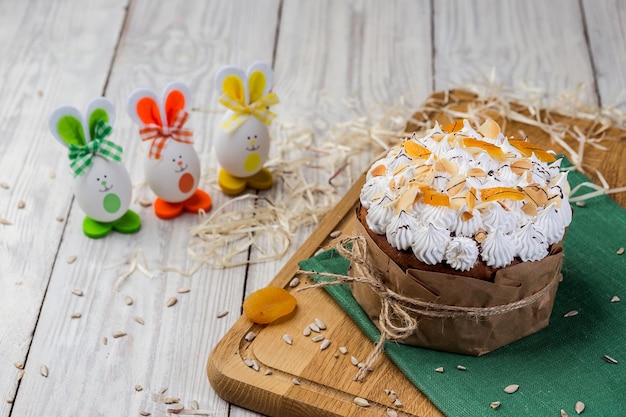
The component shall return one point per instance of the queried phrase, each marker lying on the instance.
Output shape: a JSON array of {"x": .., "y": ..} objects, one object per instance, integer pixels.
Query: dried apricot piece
[
  {"x": 268, "y": 304},
  {"x": 528, "y": 148}
]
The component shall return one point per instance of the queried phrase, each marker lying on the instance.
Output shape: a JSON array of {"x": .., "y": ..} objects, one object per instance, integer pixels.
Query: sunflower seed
[
  {"x": 71, "y": 259},
  {"x": 21, "y": 204},
  {"x": 19, "y": 365},
  {"x": 440, "y": 369},
  {"x": 317, "y": 338},
  {"x": 325, "y": 344},
  {"x": 4, "y": 185},
  {"x": 195, "y": 405},
  {"x": 171, "y": 301},
  {"x": 19, "y": 375},
  {"x": 392, "y": 394},
  {"x": 52, "y": 175},
  {"x": 392, "y": 413},
  {"x": 398, "y": 403},
  {"x": 5, "y": 222},
  {"x": 268, "y": 372},
  {"x": 105, "y": 341},
  {"x": 175, "y": 408},
  {"x": 128, "y": 300},
  {"x": 335, "y": 355},
  {"x": 250, "y": 336},
  {"x": 581, "y": 204},
  {"x": 171, "y": 400},
  {"x": 314, "y": 327},
  {"x": 620, "y": 251},
  {"x": 571, "y": 313},
  {"x": 495, "y": 404},
  {"x": 10, "y": 399},
  {"x": 77, "y": 292},
  {"x": 354, "y": 361},
  {"x": 580, "y": 407},
  {"x": 251, "y": 363},
  {"x": 295, "y": 381},
  {"x": 609, "y": 359},
  {"x": 615, "y": 299},
  {"x": 343, "y": 350},
  {"x": 44, "y": 370},
  {"x": 307, "y": 331},
  {"x": 76, "y": 316},
  {"x": 287, "y": 339},
  {"x": 139, "y": 320},
  {"x": 335, "y": 234},
  {"x": 138, "y": 388},
  {"x": 320, "y": 324},
  {"x": 563, "y": 413},
  {"x": 222, "y": 314},
  {"x": 163, "y": 390},
  {"x": 361, "y": 402},
  {"x": 360, "y": 365},
  {"x": 60, "y": 219},
  {"x": 145, "y": 203},
  {"x": 510, "y": 389},
  {"x": 183, "y": 290},
  {"x": 461, "y": 368},
  {"x": 118, "y": 334},
  {"x": 294, "y": 282},
  {"x": 144, "y": 413}
]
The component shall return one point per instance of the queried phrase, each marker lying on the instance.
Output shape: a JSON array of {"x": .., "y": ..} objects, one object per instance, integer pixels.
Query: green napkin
[{"x": 557, "y": 366}]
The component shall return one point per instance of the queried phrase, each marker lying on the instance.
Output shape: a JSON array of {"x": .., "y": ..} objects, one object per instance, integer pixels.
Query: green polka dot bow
[{"x": 82, "y": 156}]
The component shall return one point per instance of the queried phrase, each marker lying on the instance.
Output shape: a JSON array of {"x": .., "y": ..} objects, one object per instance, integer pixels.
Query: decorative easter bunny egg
[
  {"x": 172, "y": 165},
  {"x": 242, "y": 142},
  {"x": 102, "y": 185}
]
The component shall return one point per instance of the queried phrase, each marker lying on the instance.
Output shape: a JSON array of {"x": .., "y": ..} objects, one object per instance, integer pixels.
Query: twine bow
[
  {"x": 82, "y": 156},
  {"x": 397, "y": 314},
  {"x": 159, "y": 135},
  {"x": 242, "y": 112}
]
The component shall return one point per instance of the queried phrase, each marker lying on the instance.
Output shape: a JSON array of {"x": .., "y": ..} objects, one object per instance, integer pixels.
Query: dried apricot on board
[{"x": 268, "y": 304}]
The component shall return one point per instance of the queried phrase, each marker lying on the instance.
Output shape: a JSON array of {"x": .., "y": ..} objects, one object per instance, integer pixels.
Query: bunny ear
[
  {"x": 175, "y": 98},
  {"x": 230, "y": 81},
  {"x": 98, "y": 109},
  {"x": 66, "y": 124},
  {"x": 143, "y": 107},
  {"x": 260, "y": 79}
]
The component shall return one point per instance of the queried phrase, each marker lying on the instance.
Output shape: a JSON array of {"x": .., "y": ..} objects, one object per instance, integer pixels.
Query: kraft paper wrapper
[{"x": 466, "y": 335}]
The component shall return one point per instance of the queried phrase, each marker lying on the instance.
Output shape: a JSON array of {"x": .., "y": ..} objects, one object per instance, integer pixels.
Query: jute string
[{"x": 397, "y": 314}]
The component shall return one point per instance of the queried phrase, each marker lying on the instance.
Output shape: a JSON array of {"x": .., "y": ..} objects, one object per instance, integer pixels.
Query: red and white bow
[{"x": 159, "y": 135}]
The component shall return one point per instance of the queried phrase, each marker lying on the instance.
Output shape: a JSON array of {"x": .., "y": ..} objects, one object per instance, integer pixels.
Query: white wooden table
[{"x": 324, "y": 54}]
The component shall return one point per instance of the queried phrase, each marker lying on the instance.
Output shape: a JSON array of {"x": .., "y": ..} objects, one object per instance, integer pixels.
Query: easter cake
[{"x": 466, "y": 217}]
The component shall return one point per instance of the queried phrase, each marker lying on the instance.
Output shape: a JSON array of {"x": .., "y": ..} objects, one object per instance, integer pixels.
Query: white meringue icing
[
  {"x": 530, "y": 243},
  {"x": 440, "y": 216},
  {"x": 401, "y": 232},
  {"x": 379, "y": 215},
  {"x": 495, "y": 217},
  {"x": 551, "y": 223},
  {"x": 373, "y": 187},
  {"x": 430, "y": 243},
  {"x": 498, "y": 249},
  {"x": 470, "y": 227},
  {"x": 461, "y": 253}
]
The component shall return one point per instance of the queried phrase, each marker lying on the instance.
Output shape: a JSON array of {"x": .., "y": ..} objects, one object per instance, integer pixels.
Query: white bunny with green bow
[{"x": 102, "y": 185}]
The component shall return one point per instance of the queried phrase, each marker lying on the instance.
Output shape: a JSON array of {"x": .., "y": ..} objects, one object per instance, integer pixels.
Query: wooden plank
[
  {"x": 606, "y": 29},
  {"x": 44, "y": 64},
  {"x": 174, "y": 40},
  {"x": 526, "y": 45},
  {"x": 345, "y": 60}
]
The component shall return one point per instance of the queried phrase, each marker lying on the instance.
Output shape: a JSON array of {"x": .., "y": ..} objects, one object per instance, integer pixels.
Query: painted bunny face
[
  {"x": 172, "y": 166},
  {"x": 105, "y": 192},
  {"x": 242, "y": 141},
  {"x": 102, "y": 186},
  {"x": 174, "y": 177}
]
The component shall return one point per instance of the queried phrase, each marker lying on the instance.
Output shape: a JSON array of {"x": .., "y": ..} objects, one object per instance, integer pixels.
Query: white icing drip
[
  {"x": 430, "y": 244},
  {"x": 530, "y": 243},
  {"x": 401, "y": 231},
  {"x": 495, "y": 217},
  {"x": 439, "y": 216},
  {"x": 379, "y": 215},
  {"x": 374, "y": 186},
  {"x": 498, "y": 249},
  {"x": 470, "y": 227},
  {"x": 549, "y": 221},
  {"x": 461, "y": 253}
]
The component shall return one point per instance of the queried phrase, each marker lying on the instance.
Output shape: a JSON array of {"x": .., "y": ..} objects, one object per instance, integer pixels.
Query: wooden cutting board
[{"x": 326, "y": 386}]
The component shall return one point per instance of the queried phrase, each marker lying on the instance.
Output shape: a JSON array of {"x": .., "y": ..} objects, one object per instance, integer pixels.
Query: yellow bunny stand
[{"x": 242, "y": 141}]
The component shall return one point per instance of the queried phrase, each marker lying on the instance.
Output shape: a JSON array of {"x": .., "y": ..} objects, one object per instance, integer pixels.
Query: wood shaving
[{"x": 133, "y": 266}]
